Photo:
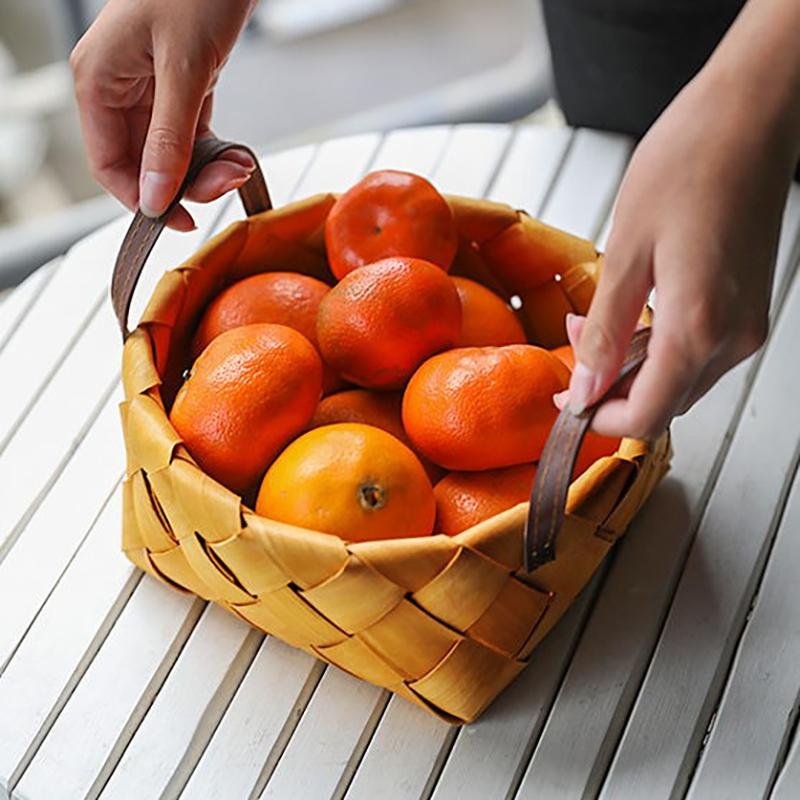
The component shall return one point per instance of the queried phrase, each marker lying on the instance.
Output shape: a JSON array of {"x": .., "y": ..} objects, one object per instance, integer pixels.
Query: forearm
[{"x": 756, "y": 70}]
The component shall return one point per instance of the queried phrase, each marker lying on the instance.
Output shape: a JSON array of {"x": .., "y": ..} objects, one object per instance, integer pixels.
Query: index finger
[{"x": 657, "y": 393}]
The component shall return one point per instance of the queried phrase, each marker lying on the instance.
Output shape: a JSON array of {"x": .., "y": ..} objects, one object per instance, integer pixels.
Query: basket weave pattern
[{"x": 446, "y": 622}]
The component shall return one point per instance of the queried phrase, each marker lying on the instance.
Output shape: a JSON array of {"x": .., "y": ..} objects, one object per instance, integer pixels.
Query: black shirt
[{"x": 618, "y": 63}]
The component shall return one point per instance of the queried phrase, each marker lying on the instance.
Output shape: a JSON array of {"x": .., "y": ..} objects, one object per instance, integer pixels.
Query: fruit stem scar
[{"x": 371, "y": 497}]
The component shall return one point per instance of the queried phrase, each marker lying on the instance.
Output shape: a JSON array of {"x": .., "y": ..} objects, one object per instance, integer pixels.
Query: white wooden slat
[
  {"x": 471, "y": 158},
  {"x": 410, "y": 150},
  {"x": 413, "y": 149},
  {"x": 530, "y": 167},
  {"x": 67, "y": 303},
  {"x": 126, "y": 672},
  {"x": 522, "y": 186},
  {"x": 187, "y": 614},
  {"x": 758, "y": 711},
  {"x": 588, "y": 182},
  {"x": 80, "y": 611},
  {"x": 17, "y": 302},
  {"x": 53, "y": 426},
  {"x": 253, "y": 723},
  {"x": 714, "y": 592},
  {"x": 54, "y": 532},
  {"x": 488, "y": 755},
  {"x": 401, "y": 755},
  {"x": 511, "y": 741},
  {"x": 348, "y": 158},
  {"x": 326, "y": 737},
  {"x": 607, "y": 667},
  {"x": 207, "y": 670}
]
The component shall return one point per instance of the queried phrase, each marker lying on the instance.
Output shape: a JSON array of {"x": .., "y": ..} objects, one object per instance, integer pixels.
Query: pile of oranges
[{"x": 398, "y": 402}]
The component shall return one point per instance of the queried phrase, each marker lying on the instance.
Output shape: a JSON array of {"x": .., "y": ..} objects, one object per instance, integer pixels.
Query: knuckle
[
  {"x": 643, "y": 425},
  {"x": 597, "y": 345},
  {"x": 752, "y": 336},
  {"x": 163, "y": 140},
  {"x": 708, "y": 327}
]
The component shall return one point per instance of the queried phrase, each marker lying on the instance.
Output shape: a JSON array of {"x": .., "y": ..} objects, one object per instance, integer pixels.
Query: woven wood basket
[{"x": 446, "y": 622}]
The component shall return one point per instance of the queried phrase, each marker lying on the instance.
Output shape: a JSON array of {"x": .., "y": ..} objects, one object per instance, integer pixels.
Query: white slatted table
[{"x": 676, "y": 673}]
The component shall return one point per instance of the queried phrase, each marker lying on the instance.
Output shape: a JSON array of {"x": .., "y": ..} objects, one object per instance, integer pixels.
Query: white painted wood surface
[{"x": 113, "y": 686}]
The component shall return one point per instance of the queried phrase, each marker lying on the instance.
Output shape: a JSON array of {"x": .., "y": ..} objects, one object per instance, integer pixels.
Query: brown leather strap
[
  {"x": 144, "y": 231},
  {"x": 553, "y": 477}
]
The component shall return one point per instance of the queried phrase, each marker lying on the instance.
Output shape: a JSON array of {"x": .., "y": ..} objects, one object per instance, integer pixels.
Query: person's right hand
[{"x": 144, "y": 76}]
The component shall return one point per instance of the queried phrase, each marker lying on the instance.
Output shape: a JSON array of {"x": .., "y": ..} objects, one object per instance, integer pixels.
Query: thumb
[
  {"x": 609, "y": 326},
  {"x": 177, "y": 100}
]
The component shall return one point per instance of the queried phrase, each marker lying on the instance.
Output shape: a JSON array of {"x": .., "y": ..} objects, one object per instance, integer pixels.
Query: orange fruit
[
  {"x": 389, "y": 213},
  {"x": 351, "y": 480},
  {"x": 485, "y": 318},
  {"x": 594, "y": 447},
  {"x": 379, "y": 323},
  {"x": 565, "y": 355},
  {"x": 464, "y": 499},
  {"x": 479, "y": 408},
  {"x": 381, "y": 409},
  {"x": 282, "y": 298},
  {"x": 251, "y": 390}
]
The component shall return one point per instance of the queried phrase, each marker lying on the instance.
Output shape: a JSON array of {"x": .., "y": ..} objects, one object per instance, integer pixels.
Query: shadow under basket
[{"x": 446, "y": 622}]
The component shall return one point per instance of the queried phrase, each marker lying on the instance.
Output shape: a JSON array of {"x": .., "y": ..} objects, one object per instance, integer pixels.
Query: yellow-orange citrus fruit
[
  {"x": 355, "y": 481},
  {"x": 486, "y": 319},
  {"x": 380, "y": 322},
  {"x": 481, "y": 408},
  {"x": 251, "y": 390},
  {"x": 464, "y": 499}
]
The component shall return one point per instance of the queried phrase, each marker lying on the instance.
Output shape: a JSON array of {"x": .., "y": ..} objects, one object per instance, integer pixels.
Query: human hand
[
  {"x": 698, "y": 216},
  {"x": 144, "y": 76}
]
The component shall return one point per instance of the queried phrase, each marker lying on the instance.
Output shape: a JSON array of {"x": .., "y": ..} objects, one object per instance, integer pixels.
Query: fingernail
[
  {"x": 560, "y": 399},
  {"x": 582, "y": 388},
  {"x": 155, "y": 193},
  {"x": 234, "y": 183},
  {"x": 240, "y": 157}
]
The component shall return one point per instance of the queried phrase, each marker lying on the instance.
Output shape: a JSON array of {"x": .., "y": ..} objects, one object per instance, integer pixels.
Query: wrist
[{"x": 753, "y": 78}]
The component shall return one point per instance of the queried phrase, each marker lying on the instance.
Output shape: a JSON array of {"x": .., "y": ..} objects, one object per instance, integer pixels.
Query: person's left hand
[{"x": 698, "y": 216}]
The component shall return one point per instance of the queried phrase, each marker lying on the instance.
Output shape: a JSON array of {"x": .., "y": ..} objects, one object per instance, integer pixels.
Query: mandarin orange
[
  {"x": 479, "y": 408},
  {"x": 464, "y": 499},
  {"x": 351, "y": 480},
  {"x": 486, "y": 319},
  {"x": 282, "y": 298},
  {"x": 251, "y": 390},
  {"x": 380, "y": 322},
  {"x": 381, "y": 409},
  {"x": 389, "y": 213}
]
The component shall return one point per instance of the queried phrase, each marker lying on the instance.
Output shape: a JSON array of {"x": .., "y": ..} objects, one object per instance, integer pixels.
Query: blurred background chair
[{"x": 303, "y": 70}]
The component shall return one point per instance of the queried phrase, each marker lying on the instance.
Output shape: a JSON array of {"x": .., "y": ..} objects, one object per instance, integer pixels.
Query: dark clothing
[{"x": 618, "y": 63}]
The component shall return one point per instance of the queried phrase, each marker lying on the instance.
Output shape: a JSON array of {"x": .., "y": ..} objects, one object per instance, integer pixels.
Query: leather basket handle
[
  {"x": 553, "y": 477},
  {"x": 144, "y": 231}
]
